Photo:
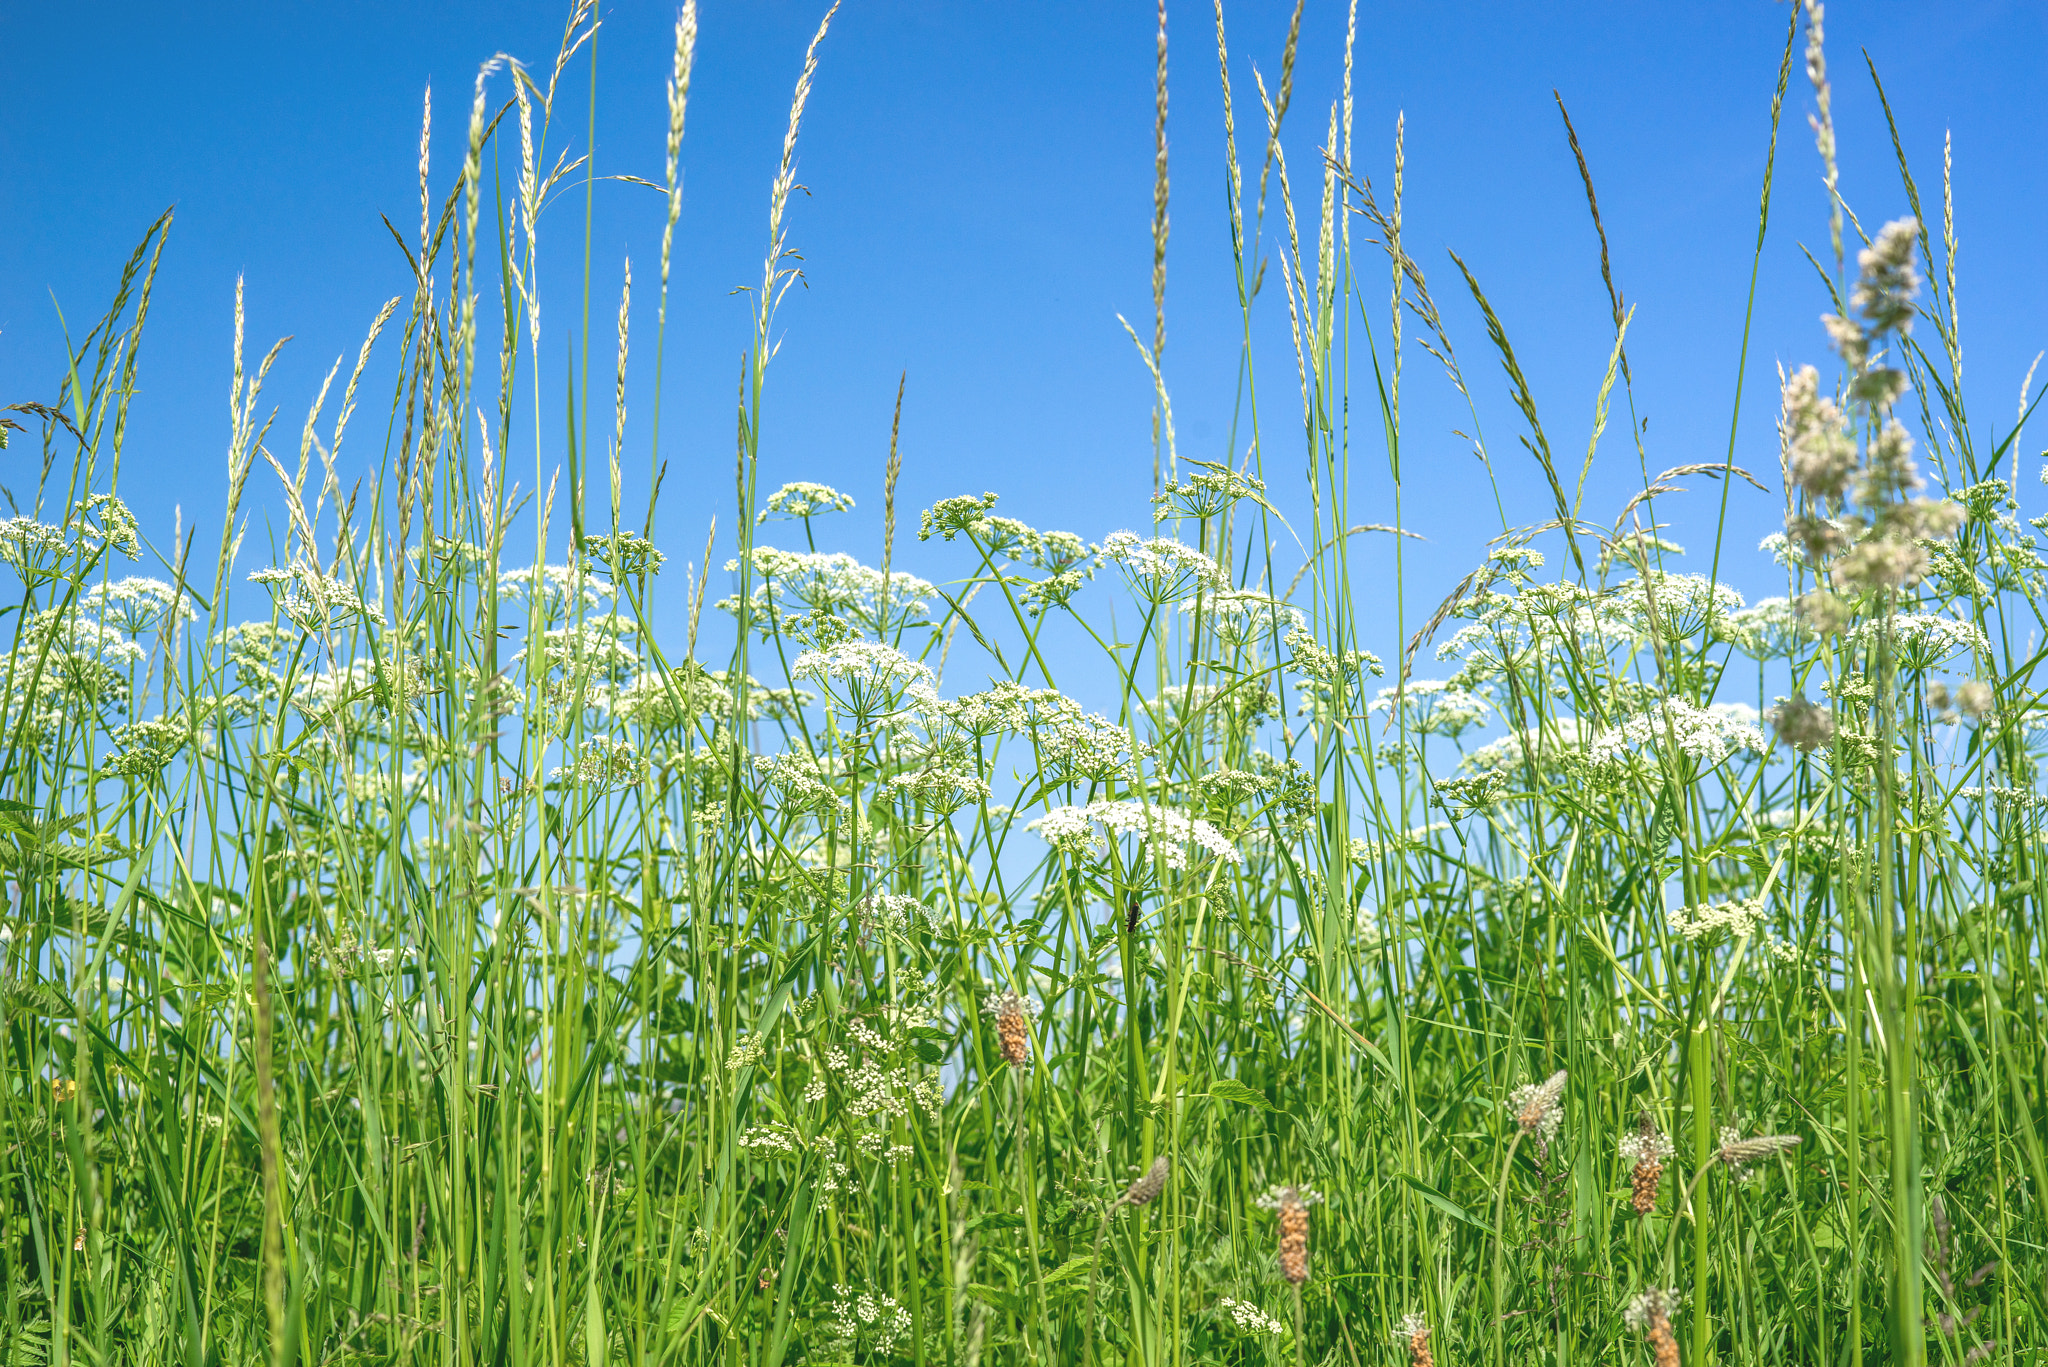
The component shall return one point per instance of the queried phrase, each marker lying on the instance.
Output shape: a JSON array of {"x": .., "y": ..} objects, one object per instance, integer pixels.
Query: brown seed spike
[
  {"x": 1643, "y": 1183},
  {"x": 1013, "y": 1014},
  {"x": 1292, "y": 1203},
  {"x": 1147, "y": 1188}
]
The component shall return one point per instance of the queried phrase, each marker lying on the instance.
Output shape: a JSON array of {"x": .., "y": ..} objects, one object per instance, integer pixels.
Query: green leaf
[
  {"x": 1441, "y": 1201},
  {"x": 1073, "y": 1267},
  {"x": 1230, "y": 1089}
]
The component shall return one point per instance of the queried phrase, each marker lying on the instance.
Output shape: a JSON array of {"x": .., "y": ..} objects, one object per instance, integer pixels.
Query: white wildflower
[
  {"x": 314, "y": 601},
  {"x": 1162, "y": 569},
  {"x": 557, "y": 590},
  {"x": 802, "y": 498},
  {"x": 1435, "y": 708},
  {"x": 1243, "y": 617},
  {"x": 136, "y": 604},
  {"x": 1708, "y": 735},
  {"x": 799, "y": 780},
  {"x": 603, "y": 763},
  {"x": 1075, "y": 831},
  {"x": 1248, "y": 1318}
]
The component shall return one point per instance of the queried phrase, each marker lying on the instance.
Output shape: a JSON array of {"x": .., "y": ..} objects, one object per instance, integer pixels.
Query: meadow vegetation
[{"x": 425, "y": 962}]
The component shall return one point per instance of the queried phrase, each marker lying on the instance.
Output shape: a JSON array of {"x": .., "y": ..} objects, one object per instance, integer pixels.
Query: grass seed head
[
  {"x": 1539, "y": 1107},
  {"x": 1650, "y": 1314},
  {"x": 1737, "y": 1153},
  {"x": 1013, "y": 1012},
  {"x": 1414, "y": 1331},
  {"x": 1292, "y": 1203},
  {"x": 1147, "y": 1188},
  {"x": 1645, "y": 1151}
]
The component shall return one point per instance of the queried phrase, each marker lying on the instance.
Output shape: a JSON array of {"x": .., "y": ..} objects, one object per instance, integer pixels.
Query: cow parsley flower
[
  {"x": 136, "y": 604},
  {"x": 803, "y": 499},
  {"x": 1248, "y": 1318},
  {"x": 1162, "y": 569},
  {"x": 1707, "y": 735},
  {"x": 1090, "y": 829},
  {"x": 867, "y": 679}
]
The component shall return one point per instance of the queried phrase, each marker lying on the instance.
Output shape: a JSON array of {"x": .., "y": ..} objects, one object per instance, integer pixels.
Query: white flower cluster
[
  {"x": 867, "y": 675},
  {"x": 938, "y": 787},
  {"x": 1769, "y": 629},
  {"x": 314, "y": 601},
  {"x": 1675, "y": 606},
  {"x": 1074, "y": 830},
  {"x": 889, "y": 913},
  {"x": 83, "y": 639},
  {"x": 1234, "y": 710},
  {"x": 1209, "y": 491},
  {"x": 1242, "y": 617},
  {"x": 876, "y": 1318},
  {"x": 1741, "y": 917},
  {"x": 602, "y": 764},
  {"x": 1708, "y": 734},
  {"x": 556, "y": 590},
  {"x": 2020, "y": 800},
  {"x": 1279, "y": 1197},
  {"x": 1545, "y": 742},
  {"x": 950, "y": 516},
  {"x": 146, "y": 748},
  {"x": 1923, "y": 639},
  {"x": 104, "y": 520},
  {"x": 1056, "y": 553},
  {"x": 625, "y": 554},
  {"x": 768, "y": 1139},
  {"x": 1071, "y": 742},
  {"x": 26, "y": 544},
  {"x": 1637, "y": 1147},
  {"x": 136, "y": 604},
  {"x": 1162, "y": 569},
  {"x": 1435, "y": 708},
  {"x": 349, "y": 952},
  {"x": 596, "y": 649},
  {"x": 1248, "y": 1318},
  {"x": 1326, "y": 667},
  {"x": 802, "y": 498},
  {"x": 799, "y": 780},
  {"x": 361, "y": 680},
  {"x": 834, "y": 583}
]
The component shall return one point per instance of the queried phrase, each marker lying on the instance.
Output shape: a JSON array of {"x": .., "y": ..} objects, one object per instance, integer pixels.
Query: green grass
[{"x": 438, "y": 967}]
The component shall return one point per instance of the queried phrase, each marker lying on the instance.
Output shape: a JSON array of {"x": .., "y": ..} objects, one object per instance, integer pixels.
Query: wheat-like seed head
[{"x": 1147, "y": 1188}]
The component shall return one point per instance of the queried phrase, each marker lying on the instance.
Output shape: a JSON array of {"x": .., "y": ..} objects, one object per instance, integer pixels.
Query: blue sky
[{"x": 979, "y": 207}]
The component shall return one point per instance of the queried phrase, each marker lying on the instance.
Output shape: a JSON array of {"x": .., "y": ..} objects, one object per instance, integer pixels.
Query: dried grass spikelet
[
  {"x": 1147, "y": 1188},
  {"x": 1414, "y": 1331},
  {"x": 1736, "y": 1153},
  {"x": 1013, "y": 1012},
  {"x": 1292, "y": 1203},
  {"x": 1650, "y": 1313},
  {"x": 1645, "y": 1151}
]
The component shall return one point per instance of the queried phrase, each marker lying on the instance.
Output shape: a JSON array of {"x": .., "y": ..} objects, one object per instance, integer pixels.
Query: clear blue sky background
[{"x": 980, "y": 180}]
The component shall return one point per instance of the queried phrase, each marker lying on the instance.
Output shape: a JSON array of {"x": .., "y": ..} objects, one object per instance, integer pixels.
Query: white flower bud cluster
[{"x": 1085, "y": 830}]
